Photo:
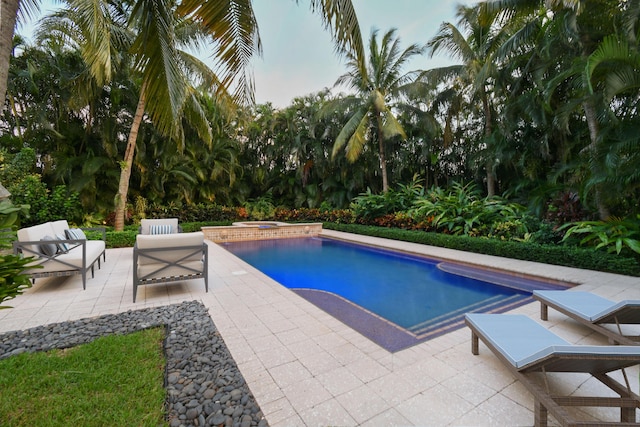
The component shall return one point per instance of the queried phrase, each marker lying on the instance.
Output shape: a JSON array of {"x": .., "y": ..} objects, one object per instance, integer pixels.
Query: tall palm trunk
[
  {"x": 381, "y": 153},
  {"x": 127, "y": 165},
  {"x": 594, "y": 130},
  {"x": 8, "y": 15},
  {"x": 488, "y": 129}
]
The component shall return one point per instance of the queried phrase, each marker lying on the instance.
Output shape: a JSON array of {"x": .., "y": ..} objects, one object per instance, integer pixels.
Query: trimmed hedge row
[
  {"x": 549, "y": 254},
  {"x": 127, "y": 238}
]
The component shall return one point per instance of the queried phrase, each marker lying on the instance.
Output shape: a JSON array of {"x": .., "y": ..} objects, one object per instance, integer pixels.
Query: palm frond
[
  {"x": 339, "y": 16},
  {"x": 348, "y": 130},
  {"x": 358, "y": 140},
  {"x": 234, "y": 29},
  {"x": 159, "y": 62}
]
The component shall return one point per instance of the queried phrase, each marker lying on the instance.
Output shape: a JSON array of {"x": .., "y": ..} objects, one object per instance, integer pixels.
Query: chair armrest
[{"x": 26, "y": 247}]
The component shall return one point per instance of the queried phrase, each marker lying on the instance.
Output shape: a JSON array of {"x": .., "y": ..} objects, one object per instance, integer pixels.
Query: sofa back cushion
[
  {"x": 173, "y": 242},
  {"x": 35, "y": 233},
  {"x": 159, "y": 226},
  {"x": 59, "y": 227}
]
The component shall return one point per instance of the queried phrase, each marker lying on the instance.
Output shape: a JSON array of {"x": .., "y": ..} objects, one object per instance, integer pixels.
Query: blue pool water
[{"x": 410, "y": 291}]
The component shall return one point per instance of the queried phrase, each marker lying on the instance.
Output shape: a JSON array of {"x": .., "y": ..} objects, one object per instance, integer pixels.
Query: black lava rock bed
[{"x": 203, "y": 384}]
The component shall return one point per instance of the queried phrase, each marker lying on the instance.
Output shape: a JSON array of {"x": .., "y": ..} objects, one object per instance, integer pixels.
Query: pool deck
[{"x": 304, "y": 367}]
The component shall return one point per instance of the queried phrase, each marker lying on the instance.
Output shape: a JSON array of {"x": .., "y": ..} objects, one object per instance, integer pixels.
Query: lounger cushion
[
  {"x": 529, "y": 346},
  {"x": 584, "y": 304},
  {"x": 516, "y": 337}
]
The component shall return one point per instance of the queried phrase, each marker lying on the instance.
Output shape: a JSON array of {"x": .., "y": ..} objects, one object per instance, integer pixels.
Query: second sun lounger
[
  {"x": 529, "y": 350},
  {"x": 593, "y": 311}
]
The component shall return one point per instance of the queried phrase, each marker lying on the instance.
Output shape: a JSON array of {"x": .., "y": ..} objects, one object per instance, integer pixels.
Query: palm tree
[
  {"x": 571, "y": 33},
  {"x": 145, "y": 37},
  {"x": 377, "y": 84},
  {"x": 475, "y": 42},
  {"x": 10, "y": 10},
  {"x": 163, "y": 94}
]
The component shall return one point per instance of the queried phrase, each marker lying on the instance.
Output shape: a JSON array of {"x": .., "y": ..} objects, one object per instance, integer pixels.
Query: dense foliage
[
  {"x": 13, "y": 281},
  {"x": 533, "y": 132}
]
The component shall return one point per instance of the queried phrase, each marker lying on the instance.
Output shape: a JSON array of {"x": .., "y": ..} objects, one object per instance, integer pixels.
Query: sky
[{"x": 298, "y": 55}]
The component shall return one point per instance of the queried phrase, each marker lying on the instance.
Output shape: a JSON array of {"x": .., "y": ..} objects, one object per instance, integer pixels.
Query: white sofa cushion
[
  {"x": 145, "y": 225},
  {"x": 35, "y": 233},
  {"x": 94, "y": 249},
  {"x": 60, "y": 226}
]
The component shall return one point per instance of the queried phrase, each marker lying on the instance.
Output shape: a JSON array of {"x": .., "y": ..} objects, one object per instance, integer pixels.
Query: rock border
[{"x": 203, "y": 384}]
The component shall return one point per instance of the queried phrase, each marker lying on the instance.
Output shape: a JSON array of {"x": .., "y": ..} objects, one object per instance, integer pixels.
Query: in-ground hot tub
[{"x": 260, "y": 230}]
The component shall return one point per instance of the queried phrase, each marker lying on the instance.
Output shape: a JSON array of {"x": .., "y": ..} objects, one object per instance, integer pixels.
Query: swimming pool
[{"x": 395, "y": 299}]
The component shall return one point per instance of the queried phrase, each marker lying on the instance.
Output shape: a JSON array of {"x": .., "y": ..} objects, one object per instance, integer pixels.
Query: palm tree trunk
[
  {"x": 592, "y": 123},
  {"x": 125, "y": 173},
  {"x": 8, "y": 14},
  {"x": 488, "y": 129},
  {"x": 383, "y": 157}
]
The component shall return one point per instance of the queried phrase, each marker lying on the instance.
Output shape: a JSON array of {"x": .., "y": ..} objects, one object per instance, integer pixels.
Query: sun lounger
[
  {"x": 528, "y": 349},
  {"x": 593, "y": 311}
]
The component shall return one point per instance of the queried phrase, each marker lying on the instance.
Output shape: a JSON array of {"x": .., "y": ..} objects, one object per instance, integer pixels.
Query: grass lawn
[{"x": 116, "y": 380}]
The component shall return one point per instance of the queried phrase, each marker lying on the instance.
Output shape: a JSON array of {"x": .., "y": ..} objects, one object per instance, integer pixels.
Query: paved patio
[{"x": 306, "y": 368}]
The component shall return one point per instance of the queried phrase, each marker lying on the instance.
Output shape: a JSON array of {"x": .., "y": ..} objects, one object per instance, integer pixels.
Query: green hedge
[
  {"x": 549, "y": 254},
  {"x": 127, "y": 238}
]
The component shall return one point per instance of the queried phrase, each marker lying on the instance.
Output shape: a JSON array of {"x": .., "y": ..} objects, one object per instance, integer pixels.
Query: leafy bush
[
  {"x": 368, "y": 205},
  {"x": 613, "y": 235},
  {"x": 566, "y": 207},
  {"x": 12, "y": 280},
  {"x": 260, "y": 209},
  {"x": 121, "y": 239},
  {"x": 548, "y": 254},
  {"x": 461, "y": 210},
  {"x": 343, "y": 216},
  {"x": 200, "y": 212}
]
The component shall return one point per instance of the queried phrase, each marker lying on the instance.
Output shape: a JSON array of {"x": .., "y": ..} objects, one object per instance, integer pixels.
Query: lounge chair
[
  {"x": 172, "y": 257},
  {"x": 593, "y": 311},
  {"x": 528, "y": 350}
]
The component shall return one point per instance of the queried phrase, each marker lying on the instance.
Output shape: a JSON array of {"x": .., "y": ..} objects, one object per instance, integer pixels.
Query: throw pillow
[
  {"x": 62, "y": 246},
  {"x": 49, "y": 249},
  {"x": 75, "y": 234},
  {"x": 161, "y": 229}
]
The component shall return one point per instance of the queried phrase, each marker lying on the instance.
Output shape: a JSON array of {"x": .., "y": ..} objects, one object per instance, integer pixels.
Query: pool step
[{"x": 490, "y": 305}]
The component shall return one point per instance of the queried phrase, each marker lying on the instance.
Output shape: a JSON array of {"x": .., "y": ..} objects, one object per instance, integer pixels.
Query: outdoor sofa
[{"x": 59, "y": 250}]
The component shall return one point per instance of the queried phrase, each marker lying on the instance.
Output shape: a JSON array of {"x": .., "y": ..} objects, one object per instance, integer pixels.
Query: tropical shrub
[
  {"x": 613, "y": 235},
  {"x": 12, "y": 280},
  {"x": 461, "y": 210},
  {"x": 368, "y": 205},
  {"x": 261, "y": 208}
]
